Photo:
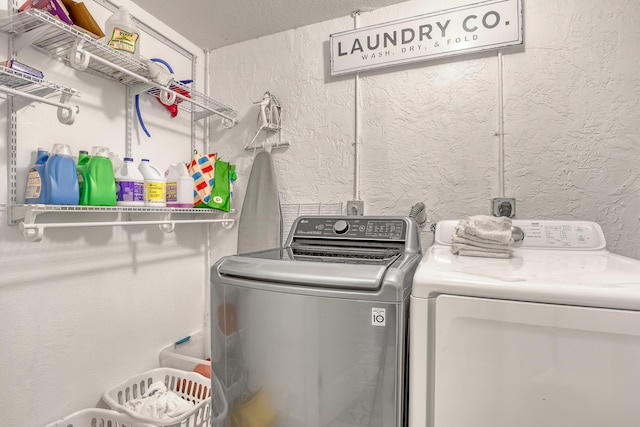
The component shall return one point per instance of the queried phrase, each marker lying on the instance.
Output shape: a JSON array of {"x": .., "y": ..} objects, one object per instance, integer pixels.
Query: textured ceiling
[{"x": 213, "y": 24}]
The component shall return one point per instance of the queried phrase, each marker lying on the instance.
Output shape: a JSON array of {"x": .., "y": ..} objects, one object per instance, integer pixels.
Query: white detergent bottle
[
  {"x": 129, "y": 184},
  {"x": 180, "y": 186},
  {"x": 155, "y": 185},
  {"x": 115, "y": 161},
  {"x": 122, "y": 34}
]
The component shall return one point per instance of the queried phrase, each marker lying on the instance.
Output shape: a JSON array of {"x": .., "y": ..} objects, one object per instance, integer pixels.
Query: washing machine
[
  {"x": 314, "y": 333},
  {"x": 548, "y": 337}
]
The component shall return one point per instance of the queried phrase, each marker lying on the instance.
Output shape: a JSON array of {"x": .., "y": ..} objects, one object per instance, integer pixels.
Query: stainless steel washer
[{"x": 315, "y": 333}]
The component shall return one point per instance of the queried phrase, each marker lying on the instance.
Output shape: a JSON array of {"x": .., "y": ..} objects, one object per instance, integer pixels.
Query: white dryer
[{"x": 548, "y": 337}]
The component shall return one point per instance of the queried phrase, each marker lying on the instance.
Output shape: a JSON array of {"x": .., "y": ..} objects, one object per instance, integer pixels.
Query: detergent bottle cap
[
  {"x": 128, "y": 159},
  {"x": 61, "y": 150},
  {"x": 98, "y": 151}
]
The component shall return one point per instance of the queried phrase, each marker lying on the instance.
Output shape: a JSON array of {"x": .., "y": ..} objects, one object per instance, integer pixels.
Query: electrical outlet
[
  {"x": 503, "y": 206},
  {"x": 355, "y": 207}
]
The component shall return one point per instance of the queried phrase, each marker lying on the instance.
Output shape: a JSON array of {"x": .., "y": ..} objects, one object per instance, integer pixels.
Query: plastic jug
[
  {"x": 115, "y": 161},
  {"x": 61, "y": 179},
  {"x": 155, "y": 185},
  {"x": 122, "y": 34},
  {"x": 81, "y": 169},
  {"x": 129, "y": 184},
  {"x": 99, "y": 188},
  {"x": 180, "y": 186},
  {"x": 36, "y": 191}
]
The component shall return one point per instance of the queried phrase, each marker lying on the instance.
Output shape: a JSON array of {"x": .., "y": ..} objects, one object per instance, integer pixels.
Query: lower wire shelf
[{"x": 165, "y": 218}]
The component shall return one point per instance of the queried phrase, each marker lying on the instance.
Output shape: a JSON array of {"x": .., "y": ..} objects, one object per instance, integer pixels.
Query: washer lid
[
  {"x": 280, "y": 266},
  {"x": 584, "y": 276}
]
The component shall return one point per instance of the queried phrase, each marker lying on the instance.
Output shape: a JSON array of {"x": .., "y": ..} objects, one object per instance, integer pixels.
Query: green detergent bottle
[
  {"x": 100, "y": 183},
  {"x": 81, "y": 169}
]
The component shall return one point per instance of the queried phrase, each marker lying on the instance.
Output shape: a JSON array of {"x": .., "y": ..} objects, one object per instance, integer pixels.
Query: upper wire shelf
[
  {"x": 56, "y": 38},
  {"x": 63, "y": 42}
]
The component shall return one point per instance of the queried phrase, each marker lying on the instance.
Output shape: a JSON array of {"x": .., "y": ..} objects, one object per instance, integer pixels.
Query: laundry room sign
[{"x": 486, "y": 25}]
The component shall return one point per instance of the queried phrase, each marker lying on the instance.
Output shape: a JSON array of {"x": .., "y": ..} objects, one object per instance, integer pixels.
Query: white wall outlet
[
  {"x": 355, "y": 207},
  {"x": 503, "y": 206}
]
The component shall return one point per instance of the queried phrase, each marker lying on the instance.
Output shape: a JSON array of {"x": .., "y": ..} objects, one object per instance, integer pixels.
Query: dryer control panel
[{"x": 570, "y": 235}]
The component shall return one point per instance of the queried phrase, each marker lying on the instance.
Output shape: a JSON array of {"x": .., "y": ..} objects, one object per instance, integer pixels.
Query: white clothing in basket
[{"x": 159, "y": 403}]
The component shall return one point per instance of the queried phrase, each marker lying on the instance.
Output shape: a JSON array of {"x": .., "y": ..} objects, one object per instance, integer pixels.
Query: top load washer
[
  {"x": 314, "y": 334},
  {"x": 548, "y": 337}
]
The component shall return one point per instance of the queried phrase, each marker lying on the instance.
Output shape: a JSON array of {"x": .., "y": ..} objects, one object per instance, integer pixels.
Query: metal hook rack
[{"x": 270, "y": 121}]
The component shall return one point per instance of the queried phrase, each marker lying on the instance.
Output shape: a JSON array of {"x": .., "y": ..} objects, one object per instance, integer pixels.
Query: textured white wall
[{"x": 571, "y": 106}]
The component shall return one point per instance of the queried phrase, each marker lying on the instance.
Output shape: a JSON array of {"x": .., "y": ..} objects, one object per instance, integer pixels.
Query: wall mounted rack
[{"x": 33, "y": 231}]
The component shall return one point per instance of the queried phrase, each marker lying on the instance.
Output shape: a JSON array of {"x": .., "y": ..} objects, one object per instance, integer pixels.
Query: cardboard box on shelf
[{"x": 82, "y": 18}]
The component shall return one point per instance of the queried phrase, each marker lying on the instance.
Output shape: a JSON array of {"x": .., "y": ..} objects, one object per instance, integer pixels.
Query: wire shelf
[
  {"x": 106, "y": 209},
  {"x": 57, "y": 39},
  {"x": 201, "y": 105},
  {"x": 27, "y": 83},
  {"x": 33, "y": 230}
]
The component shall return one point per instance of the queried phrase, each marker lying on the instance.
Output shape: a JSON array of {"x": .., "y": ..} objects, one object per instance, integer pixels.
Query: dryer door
[{"x": 502, "y": 363}]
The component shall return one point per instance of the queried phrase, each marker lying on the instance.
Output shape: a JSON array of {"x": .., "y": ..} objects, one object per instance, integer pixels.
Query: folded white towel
[
  {"x": 467, "y": 250},
  {"x": 495, "y": 229},
  {"x": 479, "y": 243}
]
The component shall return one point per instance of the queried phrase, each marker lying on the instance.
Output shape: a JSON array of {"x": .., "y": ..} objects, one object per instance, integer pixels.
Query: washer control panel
[{"x": 368, "y": 228}]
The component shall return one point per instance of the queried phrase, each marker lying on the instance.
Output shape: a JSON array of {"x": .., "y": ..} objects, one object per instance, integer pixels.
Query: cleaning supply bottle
[
  {"x": 180, "y": 186},
  {"x": 81, "y": 169},
  {"x": 155, "y": 185},
  {"x": 36, "y": 191},
  {"x": 100, "y": 184},
  {"x": 61, "y": 179},
  {"x": 129, "y": 184},
  {"x": 115, "y": 161},
  {"x": 122, "y": 34}
]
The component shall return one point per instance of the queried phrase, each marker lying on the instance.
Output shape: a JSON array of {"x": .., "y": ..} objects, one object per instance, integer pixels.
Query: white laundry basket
[
  {"x": 210, "y": 406},
  {"x": 96, "y": 417}
]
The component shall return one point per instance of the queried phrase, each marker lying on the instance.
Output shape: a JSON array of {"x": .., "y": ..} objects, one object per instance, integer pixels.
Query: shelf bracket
[
  {"x": 167, "y": 226},
  {"x": 30, "y": 233},
  {"x": 79, "y": 58},
  {"x": 66, "y": 113}
]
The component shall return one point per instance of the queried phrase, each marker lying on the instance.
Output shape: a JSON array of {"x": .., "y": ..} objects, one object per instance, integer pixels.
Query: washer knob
[{"x": 341, "y": 227}]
